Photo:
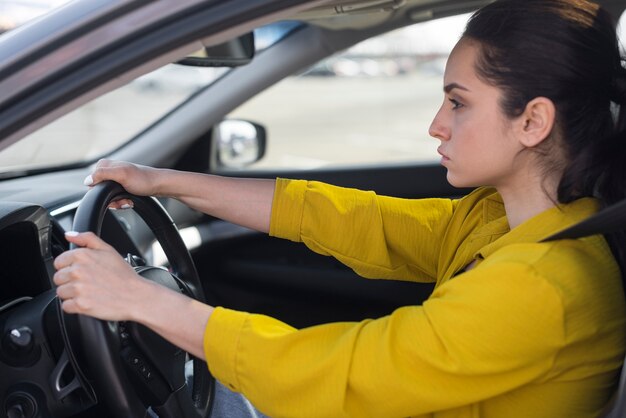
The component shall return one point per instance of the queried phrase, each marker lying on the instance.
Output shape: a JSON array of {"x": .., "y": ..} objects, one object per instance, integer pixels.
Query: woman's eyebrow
[{"x": 448, "y": 87}]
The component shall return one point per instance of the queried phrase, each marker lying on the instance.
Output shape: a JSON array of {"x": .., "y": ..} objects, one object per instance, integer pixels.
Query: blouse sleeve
[
  {"x": 376, "y": 236},
  {"x": 475, "y": 338}
]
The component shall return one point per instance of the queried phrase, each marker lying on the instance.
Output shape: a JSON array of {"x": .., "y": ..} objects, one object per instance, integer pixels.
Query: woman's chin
[
  {"x": 459, "y": 182},
  {"x": 454, "y": 180}
]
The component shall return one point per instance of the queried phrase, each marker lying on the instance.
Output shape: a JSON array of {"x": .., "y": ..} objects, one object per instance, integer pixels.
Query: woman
[{"x": 514, "y": 328}]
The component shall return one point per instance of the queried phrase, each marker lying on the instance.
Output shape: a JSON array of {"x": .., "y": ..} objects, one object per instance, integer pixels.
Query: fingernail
[
  {"x": 71, "y": 234},
  {"x": 88, "y": 180},
  {"x": 126, "y": 206}
]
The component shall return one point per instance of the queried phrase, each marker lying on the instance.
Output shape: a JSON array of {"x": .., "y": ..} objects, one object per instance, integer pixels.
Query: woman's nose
[{"x": 438, "y": 129}]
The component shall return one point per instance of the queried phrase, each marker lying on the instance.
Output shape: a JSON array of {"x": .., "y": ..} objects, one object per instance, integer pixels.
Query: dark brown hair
[{"x": 567, "y": 51}]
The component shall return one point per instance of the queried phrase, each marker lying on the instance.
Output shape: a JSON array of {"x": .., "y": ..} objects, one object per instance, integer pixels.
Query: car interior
[{"x": 57, "y": 365}]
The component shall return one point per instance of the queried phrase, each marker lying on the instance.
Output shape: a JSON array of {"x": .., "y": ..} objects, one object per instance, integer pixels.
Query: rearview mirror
[{"x": 233, "y": 53}]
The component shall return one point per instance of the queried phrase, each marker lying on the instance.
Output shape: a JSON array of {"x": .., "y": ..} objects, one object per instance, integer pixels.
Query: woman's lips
[{"x": 444, "y": 157}]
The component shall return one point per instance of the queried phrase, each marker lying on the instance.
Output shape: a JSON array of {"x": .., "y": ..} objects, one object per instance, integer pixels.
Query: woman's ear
[{"x": 537, "y": 121}]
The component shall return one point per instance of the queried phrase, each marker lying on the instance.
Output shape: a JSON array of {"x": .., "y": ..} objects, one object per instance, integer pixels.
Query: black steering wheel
[{"x": 131, "y": 367}]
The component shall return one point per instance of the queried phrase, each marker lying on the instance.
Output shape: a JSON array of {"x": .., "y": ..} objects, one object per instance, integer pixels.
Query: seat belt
[{"x": 603, "y": 222}]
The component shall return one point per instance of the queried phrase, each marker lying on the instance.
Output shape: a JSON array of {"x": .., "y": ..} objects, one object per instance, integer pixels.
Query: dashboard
[
  {"x": 39, "y": 375},
  {"x": 33, "y": 345}
]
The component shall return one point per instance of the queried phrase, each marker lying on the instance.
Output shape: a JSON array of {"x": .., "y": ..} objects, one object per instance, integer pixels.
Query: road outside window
[{"x": 372, "y": 104}]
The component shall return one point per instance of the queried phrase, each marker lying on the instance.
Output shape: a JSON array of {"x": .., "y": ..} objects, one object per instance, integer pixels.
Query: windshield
[
  {"x": 101, "y": 126},
  {"x": 104, "y": 124}
]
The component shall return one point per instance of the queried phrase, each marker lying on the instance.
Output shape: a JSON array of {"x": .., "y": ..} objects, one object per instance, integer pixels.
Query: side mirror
[{"x": 238, "y": 143}]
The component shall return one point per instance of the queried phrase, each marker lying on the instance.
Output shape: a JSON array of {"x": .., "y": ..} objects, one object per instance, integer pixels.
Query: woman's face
[{"x": 477, "y": 143}]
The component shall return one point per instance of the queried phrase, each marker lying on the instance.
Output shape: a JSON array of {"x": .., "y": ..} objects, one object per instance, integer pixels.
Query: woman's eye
[{"x": 455, "y": 104}]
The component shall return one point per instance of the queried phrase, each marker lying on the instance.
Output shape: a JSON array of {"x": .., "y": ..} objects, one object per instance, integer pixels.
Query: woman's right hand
[
  {"x": 245, "y": 202},
  {"x": 136, "y": 179}
]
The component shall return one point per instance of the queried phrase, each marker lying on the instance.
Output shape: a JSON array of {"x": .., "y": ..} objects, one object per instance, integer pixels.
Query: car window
[
  {"x": 106, "y": 123},
  {"x": 370, "y": 104}
]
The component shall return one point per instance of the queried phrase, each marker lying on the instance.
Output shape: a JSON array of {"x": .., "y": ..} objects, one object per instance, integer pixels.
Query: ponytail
[
  {"x": 610, "y": 158},
  {"x": 610, "y": 153}
]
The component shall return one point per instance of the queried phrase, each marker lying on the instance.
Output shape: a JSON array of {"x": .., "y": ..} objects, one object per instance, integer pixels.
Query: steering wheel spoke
[
  {"x": 59, "y": 390},
  {"x": 149, "y": 385}
]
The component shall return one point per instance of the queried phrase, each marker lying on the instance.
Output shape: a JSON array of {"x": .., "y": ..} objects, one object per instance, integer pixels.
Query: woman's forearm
[
  {"x": 177, "y": 318},
  {"x": 246, "y": 202}
]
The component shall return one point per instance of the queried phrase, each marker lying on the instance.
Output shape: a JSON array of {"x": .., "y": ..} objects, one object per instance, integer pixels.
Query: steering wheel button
[{"x": 21, "y": 338}]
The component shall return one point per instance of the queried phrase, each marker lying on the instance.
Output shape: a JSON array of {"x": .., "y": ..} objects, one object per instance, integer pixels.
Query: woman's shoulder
[{"x": 580, "y": 270}]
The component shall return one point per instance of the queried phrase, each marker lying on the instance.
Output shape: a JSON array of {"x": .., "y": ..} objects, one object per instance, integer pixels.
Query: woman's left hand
[{"x": 95, "y": 280}]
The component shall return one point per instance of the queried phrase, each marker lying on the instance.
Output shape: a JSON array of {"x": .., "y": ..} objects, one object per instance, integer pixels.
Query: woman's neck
[{"x": 524, "y": 203}]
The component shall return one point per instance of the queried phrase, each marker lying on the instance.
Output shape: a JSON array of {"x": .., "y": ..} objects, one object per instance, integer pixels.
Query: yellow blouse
[{"x": 533, "y": 330}]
